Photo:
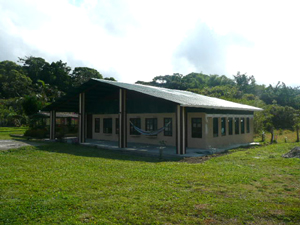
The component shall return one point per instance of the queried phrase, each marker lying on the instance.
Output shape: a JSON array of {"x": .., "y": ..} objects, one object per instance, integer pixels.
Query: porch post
[
  {"x": 82, "y": 120},
  {"x": 122, "y": 119},
  {"x": 180, "y": 130},
  {"x": 52, "y": 124}
]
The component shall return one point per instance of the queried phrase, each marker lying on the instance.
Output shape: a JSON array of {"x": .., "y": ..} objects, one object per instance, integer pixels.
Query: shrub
[{"x": 36, "y": 132}]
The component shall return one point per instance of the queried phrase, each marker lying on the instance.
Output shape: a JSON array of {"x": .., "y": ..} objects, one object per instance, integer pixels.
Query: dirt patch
[
  {"x": 203, "y": 158},
  {"x": 9, "y": 144},
  {"x": 294, "y": 153}
]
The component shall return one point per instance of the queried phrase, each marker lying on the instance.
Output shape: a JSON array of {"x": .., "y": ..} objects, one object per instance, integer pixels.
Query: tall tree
[
  {"x": 81, "y": 75},
  {"x": 56, "y": 74},
  {"x": 245, "y": 83},
  {"x": 297, "y": 124},
  {"x": 60, "y": 74},
  {"x": 33, "y": 67},
  {"x": 13, "y": 81}
]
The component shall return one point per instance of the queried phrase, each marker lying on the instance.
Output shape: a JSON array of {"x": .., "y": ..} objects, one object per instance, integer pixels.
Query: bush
[{"x": 37, "y": 132}]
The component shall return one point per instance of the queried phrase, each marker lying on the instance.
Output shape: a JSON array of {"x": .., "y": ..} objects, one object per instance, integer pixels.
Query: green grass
[
  {"x": 6, "y": 131},
  {"x": 70, "y": 184},
  {"x": 281, "y": 136}
]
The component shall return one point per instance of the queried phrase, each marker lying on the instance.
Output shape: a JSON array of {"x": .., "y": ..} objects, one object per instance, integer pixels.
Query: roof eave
[{"x": 254, "y": 109}]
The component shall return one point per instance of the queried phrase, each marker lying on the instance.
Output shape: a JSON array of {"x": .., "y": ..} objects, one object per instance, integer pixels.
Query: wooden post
[
  {"x": 82, "y": 120},
  {"x": 52, "y": 124},
  {"x": 122, "y": 119},
  {"x": 180, "y": 130}
]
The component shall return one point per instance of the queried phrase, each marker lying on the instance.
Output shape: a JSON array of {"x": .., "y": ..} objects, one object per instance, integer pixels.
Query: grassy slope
[
  {"x": 6, "y": 131},
  {"x": 69, "y": 184},
  {"x": 280, "y": 136}
]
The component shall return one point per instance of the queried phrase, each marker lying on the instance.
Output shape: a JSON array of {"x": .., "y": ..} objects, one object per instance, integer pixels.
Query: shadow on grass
[{"x": 78, "y": 150}]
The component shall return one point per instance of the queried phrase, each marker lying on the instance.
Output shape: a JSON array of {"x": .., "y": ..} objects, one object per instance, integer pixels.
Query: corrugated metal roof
[
  {"x": 58, "y": 115},
  {"x": 184, "y": 98}
]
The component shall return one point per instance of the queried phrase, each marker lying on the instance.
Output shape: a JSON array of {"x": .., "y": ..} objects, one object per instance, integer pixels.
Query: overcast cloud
[{"x": 138, "y": 40}]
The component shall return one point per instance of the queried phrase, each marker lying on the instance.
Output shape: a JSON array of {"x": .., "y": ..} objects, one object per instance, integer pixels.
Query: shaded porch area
[
  {"x": 152, "y": 150},
  {"x": 145, "y": 149}
]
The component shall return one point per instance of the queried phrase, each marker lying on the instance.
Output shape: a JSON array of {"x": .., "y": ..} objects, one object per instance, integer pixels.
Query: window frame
[
  {"x": 168, "y": 131},
  {"x": 97, "y": 125},
  {"x": 215, "y": 127},
  {"x": 236, "y": 125},
  {"x": 242, "y": 125},
  {"x": 196, "y": 130},
  {"x": 117, "y": 125},
  {"x": 137, "y": 123},
  {"x": 248, "y": 125},
  {"x": 107, "y": 126},
  {"x": 223, "y": 126},
  {"x": 230, "y": 125},
  {"x": 150, "y": 124}
]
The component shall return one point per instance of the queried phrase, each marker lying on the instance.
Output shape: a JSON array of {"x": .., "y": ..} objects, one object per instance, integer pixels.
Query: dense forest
[{"x": 31, "y": 83}]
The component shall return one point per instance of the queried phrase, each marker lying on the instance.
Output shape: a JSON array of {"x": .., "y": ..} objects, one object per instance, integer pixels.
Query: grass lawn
[
  {"x": 281, "y": 136},
  {"x": 6, "y": 131},
  {"x": 69, "y": 184}
]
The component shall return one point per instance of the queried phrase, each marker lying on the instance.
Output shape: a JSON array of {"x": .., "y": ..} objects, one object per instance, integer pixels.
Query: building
[{"x": 108, "y": 110}]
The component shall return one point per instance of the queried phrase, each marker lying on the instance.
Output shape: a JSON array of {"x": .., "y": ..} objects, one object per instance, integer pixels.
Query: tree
[
  {"x": 110, "y": 78},
  {"x": 60, "y": 76},
  {"x": 245, "y": 83},
  {"x": 32, "y": 104},
  {"x": 55, "y": 74},
  {"x": 81, "y": 75},
  {"x": 297, "y": 124},
  {"x": 33, "y": 66},
  {"x": 46, "y": 92},
  {"x": 13, "y": 81}
]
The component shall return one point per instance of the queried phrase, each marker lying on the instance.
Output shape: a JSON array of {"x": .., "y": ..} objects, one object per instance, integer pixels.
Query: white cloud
[{"x": 137, "y": 40}]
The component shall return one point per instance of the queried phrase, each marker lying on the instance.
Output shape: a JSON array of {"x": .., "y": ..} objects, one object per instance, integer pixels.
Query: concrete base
[{"x": 154, "y": 150}]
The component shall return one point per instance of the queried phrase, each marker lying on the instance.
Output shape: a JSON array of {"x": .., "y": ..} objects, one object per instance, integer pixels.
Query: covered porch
[
  {"x": 153, "y": 150},
  {"x": 106, "y": 98}
]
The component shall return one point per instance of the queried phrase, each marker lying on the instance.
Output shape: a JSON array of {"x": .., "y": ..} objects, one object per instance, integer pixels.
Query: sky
[{"x": 133, "y": 40}]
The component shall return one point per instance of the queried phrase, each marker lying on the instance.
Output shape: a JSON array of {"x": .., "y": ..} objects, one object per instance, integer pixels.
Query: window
[
  {"x": 196, "y": 127},
  {"x": 242, "y": 125},
  {"x": 168, "y": 126},
  {"x": 237, "y": 125},
  {"x": 117, "y": 125},
  {"x": 230, "y": 128},
  {"x": 216, "y": 127},
  {"x": 248, "y": 125},
  {"x": 151, "y": 124},
  {"x": 107, "y": 125},
  {"x": 137, "y": 123},
  {"x": 223, "y": 126},
  {"x": 97, "y": 125}
]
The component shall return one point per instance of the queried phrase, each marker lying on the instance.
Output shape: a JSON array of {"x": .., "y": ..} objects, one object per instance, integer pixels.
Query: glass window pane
[
  {"x": 215, "y": 127},
  {"x": 197, "y": 127},
  {"x": 97, "y": 125},
  {"x": 237, "y": 125},
  {"x": 223, "y": 126},
  {"x": 168, "y": 126}
]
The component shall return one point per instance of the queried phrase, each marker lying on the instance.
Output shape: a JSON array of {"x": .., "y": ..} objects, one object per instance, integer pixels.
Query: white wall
[
  {"x": 207, "y": 141},
  {"x": 169, "y": 140}
]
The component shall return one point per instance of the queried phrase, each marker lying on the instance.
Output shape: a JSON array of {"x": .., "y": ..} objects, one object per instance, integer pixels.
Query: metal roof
[
  {"x": 58, "y": 115},
  {"x": 183, "y": 98}
]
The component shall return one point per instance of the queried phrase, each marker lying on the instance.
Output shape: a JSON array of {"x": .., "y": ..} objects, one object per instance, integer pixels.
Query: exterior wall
[
  {"x": 206, "y": 142},
  {"x": 169, "y": 140},
  {"x": 101, "y": 135},
  {"x": 209, "y": 141}
]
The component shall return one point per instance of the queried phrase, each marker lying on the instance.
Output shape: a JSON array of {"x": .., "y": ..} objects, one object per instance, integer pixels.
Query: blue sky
[{"x": 138, "y": 40}]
